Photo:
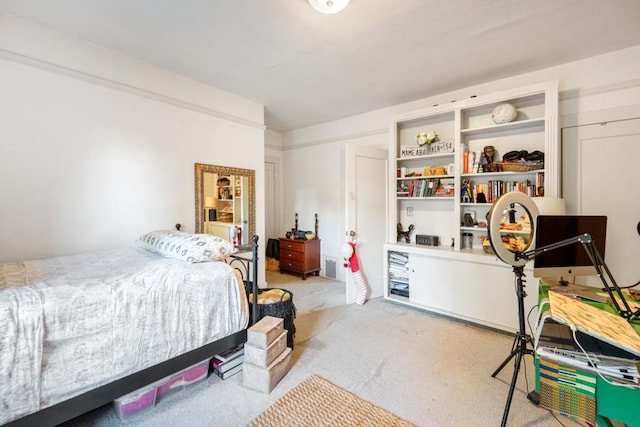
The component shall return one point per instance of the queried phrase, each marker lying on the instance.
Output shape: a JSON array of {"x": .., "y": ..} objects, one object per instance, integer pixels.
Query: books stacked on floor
[
  {"x": 228, "y": 363},
  {"x": 399, "y": 274}
]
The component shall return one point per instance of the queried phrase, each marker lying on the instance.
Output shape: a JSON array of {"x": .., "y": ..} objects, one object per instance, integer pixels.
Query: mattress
[{"x": 77, "y": 322}]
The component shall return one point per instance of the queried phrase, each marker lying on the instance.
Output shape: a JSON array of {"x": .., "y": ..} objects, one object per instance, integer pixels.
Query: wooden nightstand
[{"x": 300, "y": 256}]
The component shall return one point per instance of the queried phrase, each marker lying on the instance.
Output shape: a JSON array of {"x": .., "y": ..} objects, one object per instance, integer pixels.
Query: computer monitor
[{"x": 571, "y": 260}]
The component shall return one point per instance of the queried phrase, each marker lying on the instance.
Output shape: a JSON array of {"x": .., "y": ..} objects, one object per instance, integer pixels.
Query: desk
[{"x": 612, "y": 402}]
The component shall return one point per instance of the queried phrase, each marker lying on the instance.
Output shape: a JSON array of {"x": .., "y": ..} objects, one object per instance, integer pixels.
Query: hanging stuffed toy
[{"x": 351, "y": 260}]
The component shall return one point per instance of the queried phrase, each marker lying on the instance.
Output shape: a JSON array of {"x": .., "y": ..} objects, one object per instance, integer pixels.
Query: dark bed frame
[{"x": 93, "y": 399}]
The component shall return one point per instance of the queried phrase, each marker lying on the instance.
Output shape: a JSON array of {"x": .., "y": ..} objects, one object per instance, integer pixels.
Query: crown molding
[{"x": 123, "y": 87}]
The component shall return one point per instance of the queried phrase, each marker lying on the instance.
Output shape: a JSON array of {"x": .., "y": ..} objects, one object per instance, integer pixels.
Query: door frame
[{"x": 351, "y": 152}]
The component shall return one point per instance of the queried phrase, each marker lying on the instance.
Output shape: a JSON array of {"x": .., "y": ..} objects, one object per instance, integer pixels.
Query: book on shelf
[
  {"x": 423, "y": 189},
  {"x": 229, "y": 364},
  {"x": 400, "y": 292},
  {"x": 396, "y": 256},
  {"x": 446, "y": 188},
  {"x": 398, "y": 285},
  {"x": 229, "y": 373},
  {"x": 400, "y": 265},
  {"x": 232, "y": 353}
]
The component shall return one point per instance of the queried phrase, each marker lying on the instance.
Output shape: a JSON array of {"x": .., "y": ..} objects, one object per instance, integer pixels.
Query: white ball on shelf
[{"x": 504, "y": 113}]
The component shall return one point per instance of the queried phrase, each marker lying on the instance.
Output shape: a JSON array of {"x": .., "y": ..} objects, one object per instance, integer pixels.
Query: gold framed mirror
[{"x": 225, "y": 202}]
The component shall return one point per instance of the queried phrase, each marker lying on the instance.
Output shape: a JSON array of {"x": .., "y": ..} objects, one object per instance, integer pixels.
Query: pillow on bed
[{"x": 187, "y": 247}]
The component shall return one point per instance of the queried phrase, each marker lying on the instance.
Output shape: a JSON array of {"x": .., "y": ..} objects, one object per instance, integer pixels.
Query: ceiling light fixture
[{"x": 329, "y": 6}]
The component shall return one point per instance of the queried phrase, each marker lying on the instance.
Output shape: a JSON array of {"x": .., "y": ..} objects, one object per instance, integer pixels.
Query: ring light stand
[
  {"x": 522, "y": 343},
  {"x": 518, "y": 259}
]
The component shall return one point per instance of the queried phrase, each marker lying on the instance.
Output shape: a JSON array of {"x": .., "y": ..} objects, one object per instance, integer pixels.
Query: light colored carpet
[
  {"x": 426, "y": 369},
  {"x": 317, "y": 402}
]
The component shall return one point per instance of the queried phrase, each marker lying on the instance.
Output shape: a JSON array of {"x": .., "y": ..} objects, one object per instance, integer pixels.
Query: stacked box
[
  {"x": 267, "y": 357},
  {"x": 265, "y": 331},
  {"x": 263, "y": 357}
]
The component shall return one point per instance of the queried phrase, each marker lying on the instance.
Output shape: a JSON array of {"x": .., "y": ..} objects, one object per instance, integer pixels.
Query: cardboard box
[
  {"x": 265, "y": 379},
  {"x": 265, "y": 331},
  {"x": 265, "y": 356}
]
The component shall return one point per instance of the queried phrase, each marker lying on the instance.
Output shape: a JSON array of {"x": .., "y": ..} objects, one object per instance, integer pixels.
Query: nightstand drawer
[
  {"x": 292, "y": 245},
  {"x": 290, "y": 255},
  {"x": 291, "y": 264}
]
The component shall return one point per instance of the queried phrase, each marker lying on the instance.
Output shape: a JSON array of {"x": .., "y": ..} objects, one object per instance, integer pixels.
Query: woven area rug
[{"x": 317, "y": 402}]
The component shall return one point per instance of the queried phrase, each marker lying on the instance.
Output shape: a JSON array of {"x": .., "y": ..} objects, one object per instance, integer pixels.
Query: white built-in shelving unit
[{"x": 446, "y": 277}]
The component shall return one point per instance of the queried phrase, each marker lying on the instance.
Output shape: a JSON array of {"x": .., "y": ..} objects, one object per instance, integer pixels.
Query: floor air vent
[{"x": 330, "y": 268}]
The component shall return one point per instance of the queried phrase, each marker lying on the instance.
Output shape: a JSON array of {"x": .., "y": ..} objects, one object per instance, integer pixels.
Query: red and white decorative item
[
  {"x": 351, "y": 260},
  {"x": 238, "y": 235}
]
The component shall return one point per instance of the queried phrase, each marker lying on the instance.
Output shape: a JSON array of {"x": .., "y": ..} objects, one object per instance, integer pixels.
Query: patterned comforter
[{"x": 70, "y": 324}]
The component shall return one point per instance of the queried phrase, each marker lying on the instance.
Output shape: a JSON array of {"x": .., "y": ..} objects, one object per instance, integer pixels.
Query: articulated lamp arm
[{"x": 600, "y": 266}]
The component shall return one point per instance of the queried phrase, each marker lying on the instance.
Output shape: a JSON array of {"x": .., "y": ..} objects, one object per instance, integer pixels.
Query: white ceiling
[{"x": 309, "y": 68}]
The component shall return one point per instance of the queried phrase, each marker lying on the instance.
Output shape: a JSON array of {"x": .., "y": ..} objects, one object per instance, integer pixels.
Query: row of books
[
  {"x": 228, "y": 363},
  {"x": 493, "y": 189},
  {"x": 427, "y": 187}
]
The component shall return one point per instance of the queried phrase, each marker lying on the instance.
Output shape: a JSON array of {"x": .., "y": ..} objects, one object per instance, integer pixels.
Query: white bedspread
[{"x": 73, "y": 323}]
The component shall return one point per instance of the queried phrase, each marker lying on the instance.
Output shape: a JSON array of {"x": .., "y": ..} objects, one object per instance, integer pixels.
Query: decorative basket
[
  {"x": 278, "y": 303},
  {"x": 519, "y": 167},
  {"x": 435, "y": 170}
]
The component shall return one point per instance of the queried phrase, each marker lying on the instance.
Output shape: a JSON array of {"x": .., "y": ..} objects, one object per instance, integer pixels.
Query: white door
[
  {"x": 270, "y": 201},
  {"x": 601, "y": 172},
  {"x": 366, "y": 205}
]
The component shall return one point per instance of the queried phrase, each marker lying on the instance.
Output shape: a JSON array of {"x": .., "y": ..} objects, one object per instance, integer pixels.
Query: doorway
[
  {"x": 600, "y": 171},
  {"x": 366, "y": 214}
]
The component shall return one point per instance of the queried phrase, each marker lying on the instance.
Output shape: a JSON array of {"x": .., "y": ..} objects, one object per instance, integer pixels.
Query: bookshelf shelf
[{"x": 516, "y": 125}]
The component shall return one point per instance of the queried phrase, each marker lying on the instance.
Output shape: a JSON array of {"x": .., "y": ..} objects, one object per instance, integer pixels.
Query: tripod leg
[
  {"x": 514, "y": 350},
  {"x": 514, "y": 379}
]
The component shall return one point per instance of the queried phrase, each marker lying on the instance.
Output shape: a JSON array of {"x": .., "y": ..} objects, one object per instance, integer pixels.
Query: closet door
[{"x": 601, "y": 176}]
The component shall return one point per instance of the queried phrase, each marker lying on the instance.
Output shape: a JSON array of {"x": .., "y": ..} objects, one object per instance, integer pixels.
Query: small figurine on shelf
[
  {"x": 488, "y": 154},
  {"x": 406, "y": 235},
  {"x": 466, "y": 196}
]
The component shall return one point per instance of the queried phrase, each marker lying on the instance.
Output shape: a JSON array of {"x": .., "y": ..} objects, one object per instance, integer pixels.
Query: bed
[{"x": 83, "y": 330}]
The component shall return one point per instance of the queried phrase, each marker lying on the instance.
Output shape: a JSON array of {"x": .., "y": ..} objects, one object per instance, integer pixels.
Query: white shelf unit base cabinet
[
  {"x": 453, "y": 279},
  {"x": 461, "y": 285}
]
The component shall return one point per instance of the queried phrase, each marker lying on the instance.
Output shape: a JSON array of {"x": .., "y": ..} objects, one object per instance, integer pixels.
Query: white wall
[
  {"x": 97, "y": 148},
  {"x": 314, "y": 156}
]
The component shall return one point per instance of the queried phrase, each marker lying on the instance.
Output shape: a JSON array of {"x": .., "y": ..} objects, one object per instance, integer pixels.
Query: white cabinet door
[
  {"x": 488, "y": 293},
  {"x": 478, "y": 292},
  {"x": 431, "y": 282}
]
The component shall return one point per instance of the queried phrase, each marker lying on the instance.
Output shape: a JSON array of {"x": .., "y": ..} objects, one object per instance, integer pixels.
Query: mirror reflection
[
  {"x": 225, "y": 202},
  {"x": 515, "y": 228}
]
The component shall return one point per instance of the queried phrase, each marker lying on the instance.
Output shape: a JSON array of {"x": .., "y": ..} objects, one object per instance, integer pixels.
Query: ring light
[{"x": 504, "y": 204}]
